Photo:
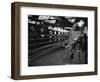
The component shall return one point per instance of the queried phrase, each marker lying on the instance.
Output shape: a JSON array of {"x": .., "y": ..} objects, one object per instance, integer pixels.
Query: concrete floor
[{"x": 58, "y": 56}]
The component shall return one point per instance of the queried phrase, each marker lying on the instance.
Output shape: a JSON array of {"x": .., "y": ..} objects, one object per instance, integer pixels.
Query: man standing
[{"x": 78, "y": 44}]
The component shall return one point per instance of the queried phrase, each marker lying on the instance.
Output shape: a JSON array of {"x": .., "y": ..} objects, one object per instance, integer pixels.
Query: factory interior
[{"x": 57, "y": 40}]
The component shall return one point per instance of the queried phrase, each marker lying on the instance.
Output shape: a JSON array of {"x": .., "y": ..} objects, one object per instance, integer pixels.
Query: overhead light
[{"x": 43, "y": 17}]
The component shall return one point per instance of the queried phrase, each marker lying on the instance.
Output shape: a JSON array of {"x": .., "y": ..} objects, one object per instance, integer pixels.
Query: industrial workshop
[{"x": 57, "y": 40}]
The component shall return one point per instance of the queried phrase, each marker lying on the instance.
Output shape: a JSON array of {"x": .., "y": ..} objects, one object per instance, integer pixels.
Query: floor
[{"x": 59, "y": 56}]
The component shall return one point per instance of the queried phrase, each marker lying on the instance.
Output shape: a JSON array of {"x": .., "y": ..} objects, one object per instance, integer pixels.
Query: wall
[{"x": 5, "y": 40}]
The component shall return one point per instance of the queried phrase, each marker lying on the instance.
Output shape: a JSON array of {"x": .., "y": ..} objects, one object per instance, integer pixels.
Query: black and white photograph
[
  {"x": 53, "y": 40},
  {"x": 57, "y": 40}
]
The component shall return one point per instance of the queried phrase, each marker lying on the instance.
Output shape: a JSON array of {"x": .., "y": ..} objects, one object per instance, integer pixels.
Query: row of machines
[{"x": 45, "y": 35}]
